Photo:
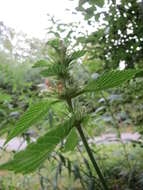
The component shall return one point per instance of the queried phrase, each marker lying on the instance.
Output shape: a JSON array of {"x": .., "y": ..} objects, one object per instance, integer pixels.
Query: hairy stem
[
  {"x": 89, "y": 152},
  {"x": 92, "y": 159}
]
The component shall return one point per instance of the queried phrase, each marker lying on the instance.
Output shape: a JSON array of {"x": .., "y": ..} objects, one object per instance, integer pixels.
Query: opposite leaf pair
[{"x": 28, "y": 160}]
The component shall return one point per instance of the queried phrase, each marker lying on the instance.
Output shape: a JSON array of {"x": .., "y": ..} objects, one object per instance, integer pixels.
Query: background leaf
[{"x": 5, "y": 97}]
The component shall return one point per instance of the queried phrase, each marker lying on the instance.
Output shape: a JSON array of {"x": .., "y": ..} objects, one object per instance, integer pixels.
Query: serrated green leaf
[
  {"x": 52, "y": 70},
  {"x": 41, "y": 63},
  {"x": 72, "y": 141},
  {"x": 55, "y": 70},
  {"x": 28, "y": 160},
  {"x": 55, "y": 43},
  {"x": 110, "y": 80},
  {"x": 77, "y": 54},
  {"x": 30, "y": 117}
]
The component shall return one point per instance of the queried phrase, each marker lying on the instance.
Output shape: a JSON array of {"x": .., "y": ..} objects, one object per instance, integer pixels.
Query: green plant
[{"x": 66, "y": 91}]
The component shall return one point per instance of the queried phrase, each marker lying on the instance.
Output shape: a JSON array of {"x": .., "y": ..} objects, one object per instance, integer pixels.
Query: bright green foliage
[
  {"x": 28, "y": 160},
  {"x": 60, "y": 63},
  {"x": 30, "y": 117},
  {"x": 72, "y": 140},
  {"x": 54, "y": 70},
  {"x": 77, "y": 54},
  {"x": 110, "y": 80},
  {"x": 119, "y": 41},
  {"x": 61, "y": 67},
  {"x": 41, "y": 63}
]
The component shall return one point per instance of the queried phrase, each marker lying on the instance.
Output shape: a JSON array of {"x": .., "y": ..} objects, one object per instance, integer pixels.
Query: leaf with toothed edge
[
  {"x": 41, "y": 63},
  {"x": 72, "y": 140},
  {"x": 35, "y": 113},
  {"x": 110, "y": 80},
  {"x": 30, "y": 159}
]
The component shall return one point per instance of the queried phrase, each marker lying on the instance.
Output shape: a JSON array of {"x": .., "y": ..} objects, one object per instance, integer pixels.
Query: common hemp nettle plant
[{"x": 68, "y": 91}]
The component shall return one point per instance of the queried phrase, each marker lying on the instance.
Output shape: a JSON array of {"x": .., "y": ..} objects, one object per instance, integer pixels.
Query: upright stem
[
  {"x": 80, "y": 131},
  {"x": 89, "y": 152}
]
